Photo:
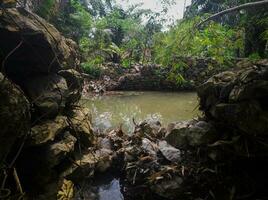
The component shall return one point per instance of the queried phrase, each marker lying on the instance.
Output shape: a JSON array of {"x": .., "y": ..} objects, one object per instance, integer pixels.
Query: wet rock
[
  {"x": 14, "y": 115},
  {"x": 47, "y": 130}
]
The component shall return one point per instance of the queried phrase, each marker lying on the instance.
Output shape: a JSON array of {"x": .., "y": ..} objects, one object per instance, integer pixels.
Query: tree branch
[{"x": 236, "y": 8}]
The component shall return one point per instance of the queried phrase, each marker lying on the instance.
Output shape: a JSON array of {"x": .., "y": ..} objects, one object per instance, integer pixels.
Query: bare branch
[{"x": 236, "y": 8}]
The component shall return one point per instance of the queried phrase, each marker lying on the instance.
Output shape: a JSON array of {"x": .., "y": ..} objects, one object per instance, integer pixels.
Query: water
[{"x": 109, "y": 111}]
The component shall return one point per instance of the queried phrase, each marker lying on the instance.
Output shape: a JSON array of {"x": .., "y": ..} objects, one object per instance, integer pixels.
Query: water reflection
[
  {"x": 111, "y": 110},
  {"x": 111, "y": 191}
]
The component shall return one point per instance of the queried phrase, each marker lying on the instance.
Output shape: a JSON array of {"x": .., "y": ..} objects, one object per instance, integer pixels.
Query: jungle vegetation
[{"x": 106, "y": 32}]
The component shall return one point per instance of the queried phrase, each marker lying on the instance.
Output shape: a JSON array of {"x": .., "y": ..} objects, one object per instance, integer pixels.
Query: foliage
[
  {"x": 106, "y": 32},
  {"x": 250, "y": 20},
  {"x": 254, "y": 57},
  {"x": 216, "y": 41},
  {"x": 92, "y": 67},
  {"x": 46, "y": 8}
]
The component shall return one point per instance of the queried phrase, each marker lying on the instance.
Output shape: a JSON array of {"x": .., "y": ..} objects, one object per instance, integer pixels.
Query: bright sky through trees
[{"x": 174, "y": 12}]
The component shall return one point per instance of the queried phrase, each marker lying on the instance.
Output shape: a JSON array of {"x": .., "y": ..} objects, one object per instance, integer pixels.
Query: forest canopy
[{"x": 107, "y": 32}]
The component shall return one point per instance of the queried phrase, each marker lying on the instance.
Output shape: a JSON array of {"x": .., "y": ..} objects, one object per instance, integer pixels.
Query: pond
[{"x": 109, "y": 111}]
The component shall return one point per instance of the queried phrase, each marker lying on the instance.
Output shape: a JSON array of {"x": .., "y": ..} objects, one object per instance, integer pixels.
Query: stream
[{"x": 109, "y": 111}]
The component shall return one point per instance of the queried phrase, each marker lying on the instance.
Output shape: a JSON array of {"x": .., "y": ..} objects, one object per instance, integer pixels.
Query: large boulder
[
  {"x": 40, "y": 48},
  {"x": 33, "y": 53},
  {"x": 14, "y": 115}
]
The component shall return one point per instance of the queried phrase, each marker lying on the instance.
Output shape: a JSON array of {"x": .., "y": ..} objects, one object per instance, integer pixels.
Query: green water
[{"x": 109, "y": 111}]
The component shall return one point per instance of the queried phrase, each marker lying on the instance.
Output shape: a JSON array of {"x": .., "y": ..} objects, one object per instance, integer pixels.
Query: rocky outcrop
[
  {"x": 41, "y": 87},
  {"x": 238, "y": 99}
]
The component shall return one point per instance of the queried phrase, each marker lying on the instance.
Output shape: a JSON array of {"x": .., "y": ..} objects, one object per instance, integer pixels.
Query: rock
[
  {"x": 149, "y": 147},
  {"x": 59, "y": 150},
  {"x": 14, "y": 115},
  {"x": 168, "y": 188},
  {"x": 177, "y": 134},
  {"x": 238, "y": 99},
  {"x": 150, "y": 128},
  {"x": 170, "y": 153},
  {"x": 75, "y": 84},
  {"x": 252, "y": 90},
  {"x": 43, "y": 50},
  {"x": 193, "y": 133},
  {"x": 86, "y": 166},
  {"x": 48, "y": 93},
  {"x": 47, "y": 130},
  {"x": 218, "y": 87},
  {"x": 80, "y": 125},
  {"x": 201, "y": 133},
  {"x": 155, "y": 77}
]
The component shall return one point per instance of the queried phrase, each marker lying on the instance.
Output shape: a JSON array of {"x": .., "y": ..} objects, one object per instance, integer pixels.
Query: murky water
[{"x": 109, "y": 111}]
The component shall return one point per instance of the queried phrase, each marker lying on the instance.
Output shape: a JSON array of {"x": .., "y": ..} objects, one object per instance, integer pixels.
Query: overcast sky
[{"x": 175, "y": 12}]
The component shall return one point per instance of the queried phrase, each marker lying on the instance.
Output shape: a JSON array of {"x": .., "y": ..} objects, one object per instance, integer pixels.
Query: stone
[
  {"x": 75, "y": 84},
  {"x": 43, "y": 50},
  {"x": 201, "y": 133},
  {"x": 57, "y": 151},
  {"x": 177, "y": 134},
  {"x": 47, "y": 130},
  {"x": 168, "y": 188},
  {"x": 85, "y": 167},
  {"x": 48, "y": 93},
  {"x": 245, "y": 92},
  {"x": 170, "y": 153},
  {"x": 15, "y": 118},
  {"x": 150, "y": 127},
  {"x": 79, "y": 120},
  {"x": 193, "y": 133}
]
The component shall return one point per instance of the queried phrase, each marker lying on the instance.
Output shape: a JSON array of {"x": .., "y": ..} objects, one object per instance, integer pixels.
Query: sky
[{"x": 175, "y": 12}]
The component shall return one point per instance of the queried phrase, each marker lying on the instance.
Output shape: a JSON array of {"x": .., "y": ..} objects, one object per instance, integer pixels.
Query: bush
[{"x": 92, "y": 69}]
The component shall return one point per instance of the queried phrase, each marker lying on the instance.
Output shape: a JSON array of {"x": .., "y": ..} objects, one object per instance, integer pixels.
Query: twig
[{"x": 17, "y": 180}]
